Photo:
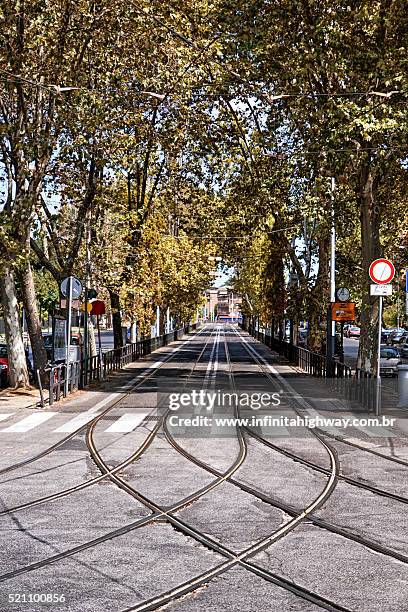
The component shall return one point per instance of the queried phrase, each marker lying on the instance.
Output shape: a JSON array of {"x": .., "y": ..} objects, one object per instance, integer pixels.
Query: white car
[{"x": 389, "y": 361}]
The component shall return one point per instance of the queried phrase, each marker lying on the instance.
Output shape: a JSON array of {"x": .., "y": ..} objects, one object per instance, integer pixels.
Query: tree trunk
[
  {"x": 318, "y": 298},
  {"x": 133, "y": 332},
  {"x": 33, "y": 320},
  {"x": 116, "y": 319},
  {"x": 92, "y": 342},
  {"x": 18, "y": 372},
  {"x": 295, "y": 332},
  {"x": 370, "y": 250}
]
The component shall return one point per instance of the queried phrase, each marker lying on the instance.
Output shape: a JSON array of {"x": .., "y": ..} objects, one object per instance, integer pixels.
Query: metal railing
[
  {"x": 358, "y": 387},
  {"x": 97, "y": 368},
  {"x": 59, "y": 375},
  {"x": 312, "y": 363}
]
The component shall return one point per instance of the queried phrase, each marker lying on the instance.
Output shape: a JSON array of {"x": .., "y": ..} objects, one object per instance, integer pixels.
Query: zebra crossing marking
[
  {"x": 75, "y": 423},
  {"x": 34, "y": 420},
  {"x": 126, "y": 423}
]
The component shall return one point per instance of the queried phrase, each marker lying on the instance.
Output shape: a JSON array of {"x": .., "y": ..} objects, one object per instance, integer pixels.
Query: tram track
[
  {"x": 106, "y": 474},
  {"x": 371, "y": 451},
  {"x": 121, "y": 466},
  {"x": 163, "y": 513},
  {"x": 203, "y": 579},
  {"x": 233, "y": 559},
  {"x": 317, "y": 432},
  {"x": 144, "y": 376},
  {"x": 287, "y": 508},
  {"x": 173, "y": 508},
  {"x": 292, "y": 510}
]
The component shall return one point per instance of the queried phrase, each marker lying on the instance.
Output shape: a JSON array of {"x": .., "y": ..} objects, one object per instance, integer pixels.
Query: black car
[{"x": 403, "y": 350}]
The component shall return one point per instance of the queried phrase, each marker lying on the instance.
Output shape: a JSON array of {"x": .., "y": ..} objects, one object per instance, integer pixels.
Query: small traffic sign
[
  {"x": 76, "y": 287},
  {"x": 98, "y": 307},
  {"x": 342, "y": 294},
  {"x": 381, "y": 271},
  {"x": 380, "y": 290}
]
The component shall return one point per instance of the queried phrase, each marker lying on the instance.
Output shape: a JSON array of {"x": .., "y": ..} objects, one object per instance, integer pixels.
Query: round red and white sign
[{"x": 382, "y": 271}]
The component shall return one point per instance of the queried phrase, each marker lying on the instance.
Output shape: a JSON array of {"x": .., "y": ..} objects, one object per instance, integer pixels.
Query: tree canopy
[{"x": 149, "y": 137}]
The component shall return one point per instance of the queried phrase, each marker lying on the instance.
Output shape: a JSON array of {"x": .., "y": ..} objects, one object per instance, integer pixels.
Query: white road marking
[
  {"x": 127, "y": 422},
  {"x": 33, "y": 420},
  {"x": 75, "y": 423},
  {"x": 210, "y": 372},
  {"x": 29, "y": 422},
  {"x": 300, "y": 400},
  {"x": 129, "y": 386}
]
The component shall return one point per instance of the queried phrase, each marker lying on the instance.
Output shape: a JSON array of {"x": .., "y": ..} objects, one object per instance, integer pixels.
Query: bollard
[{"x": 402, "y": 386}]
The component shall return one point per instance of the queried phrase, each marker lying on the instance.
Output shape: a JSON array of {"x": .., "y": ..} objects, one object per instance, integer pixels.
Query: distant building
[{"x": 222, "y": 304}]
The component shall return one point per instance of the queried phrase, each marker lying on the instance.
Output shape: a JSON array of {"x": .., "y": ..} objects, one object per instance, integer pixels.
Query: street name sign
[{"x": 381, "y": 290}]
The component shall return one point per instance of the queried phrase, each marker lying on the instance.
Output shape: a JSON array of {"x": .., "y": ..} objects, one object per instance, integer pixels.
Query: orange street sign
[{"x": 343, "y": 311}]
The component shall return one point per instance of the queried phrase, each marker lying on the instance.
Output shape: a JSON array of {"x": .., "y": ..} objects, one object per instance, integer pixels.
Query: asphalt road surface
[{"x": 126, "y": 498}]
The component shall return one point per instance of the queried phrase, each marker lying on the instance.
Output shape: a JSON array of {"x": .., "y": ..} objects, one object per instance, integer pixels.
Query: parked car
[
  {"x": 389, "y": 361},
  {"x": 353, "y": 332},
  {"x": 401, "y": 338},
  {"x": 403, "y": 350},
  {"x": 396, "y": 335},
  {"x": 4, "y": 365},
  {"x": 385, "y": 333}
]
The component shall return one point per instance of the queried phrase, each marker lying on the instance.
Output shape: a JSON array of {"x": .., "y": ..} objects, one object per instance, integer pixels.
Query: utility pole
[
  {"x": 398, "y": 303},
  {"x": 378, "y": 372},
  {"x": 68, "y": 337},
  {"x": 87, "y": 287},
  {"x": 331, "y": 325}
]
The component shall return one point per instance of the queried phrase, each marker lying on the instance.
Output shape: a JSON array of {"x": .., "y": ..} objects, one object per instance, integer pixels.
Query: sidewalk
[{"x": 20, "y": 398}]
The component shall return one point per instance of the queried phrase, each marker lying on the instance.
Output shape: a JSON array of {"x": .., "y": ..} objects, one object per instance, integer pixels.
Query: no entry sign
[{"x": 382, "y": 271}]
